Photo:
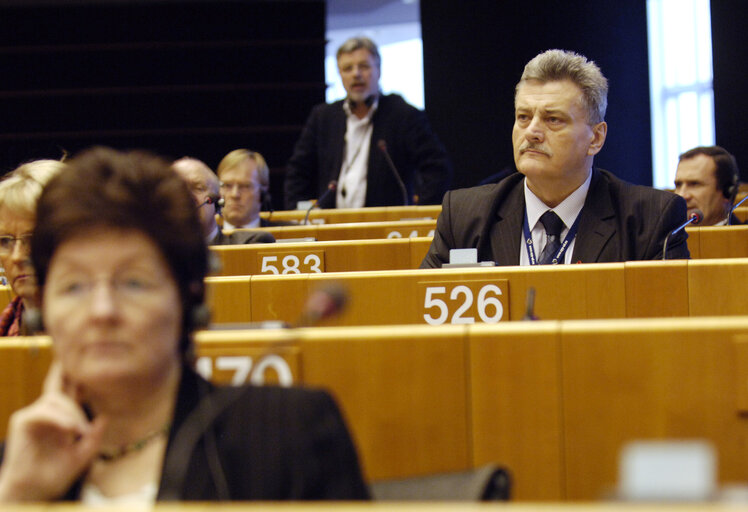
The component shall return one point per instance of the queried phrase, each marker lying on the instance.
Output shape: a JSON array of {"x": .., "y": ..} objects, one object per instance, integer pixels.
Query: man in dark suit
[
  {"x": 349, "y": 142},
  {"x": 558, "y": 209},
  {"x": 203, "y": 183},
  {"x": 707, "y": 177}
]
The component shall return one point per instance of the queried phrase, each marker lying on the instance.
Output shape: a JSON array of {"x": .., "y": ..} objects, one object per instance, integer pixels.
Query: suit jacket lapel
[
  {"x": 504, "y": 230},
  {"x": 597, "y": 224},
  {"x": 337, "y": 135}
]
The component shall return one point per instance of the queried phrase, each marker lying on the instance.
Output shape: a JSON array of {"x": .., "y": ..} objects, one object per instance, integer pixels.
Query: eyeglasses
[{"x": 7, "y": 242}]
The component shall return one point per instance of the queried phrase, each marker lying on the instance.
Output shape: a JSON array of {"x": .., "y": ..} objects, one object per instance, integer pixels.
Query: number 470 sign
[{"x": 464, "y": 302}]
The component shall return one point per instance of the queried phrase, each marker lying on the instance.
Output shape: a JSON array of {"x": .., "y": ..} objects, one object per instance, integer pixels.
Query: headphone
[{"x": 730, "y": 190}]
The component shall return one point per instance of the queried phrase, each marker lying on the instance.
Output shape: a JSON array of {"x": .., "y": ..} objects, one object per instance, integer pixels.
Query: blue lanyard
[{"x": 561, "y": 250}]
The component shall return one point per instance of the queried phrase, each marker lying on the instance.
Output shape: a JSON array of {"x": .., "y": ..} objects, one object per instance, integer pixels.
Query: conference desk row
[
  {"x": 386, "y": 213},
  {"x": 368, "y": 507},
  {"x": 407, "y": 252},
  {"x": 553, "y": 401},
  {"x": 345, "y": 215},
  {"x": 637, "y": 289}
]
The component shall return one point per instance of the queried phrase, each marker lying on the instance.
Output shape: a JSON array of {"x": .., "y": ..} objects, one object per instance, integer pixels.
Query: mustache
[{"x": 534, "y": 147}]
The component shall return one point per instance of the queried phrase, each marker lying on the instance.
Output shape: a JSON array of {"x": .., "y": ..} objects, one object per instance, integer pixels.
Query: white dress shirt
[
  {"x": 351, "y": 191},
  {"x": 567, "y": 210}
]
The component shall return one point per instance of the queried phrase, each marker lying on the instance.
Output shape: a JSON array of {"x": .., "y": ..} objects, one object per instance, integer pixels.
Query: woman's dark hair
[{"x": 109, "y": 189}]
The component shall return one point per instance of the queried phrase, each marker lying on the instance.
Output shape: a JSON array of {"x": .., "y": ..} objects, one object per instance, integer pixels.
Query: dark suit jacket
[
  {"x": 258, "y": 443},
  {"x": 272, "y": 443},
  {"x": 265, "y": 223},
  {"x": 242, "y": 236},
  {"x": 734, "y": 221},
  {"x": 416, "y": 152},
  {"x": 620, "y": 222}
]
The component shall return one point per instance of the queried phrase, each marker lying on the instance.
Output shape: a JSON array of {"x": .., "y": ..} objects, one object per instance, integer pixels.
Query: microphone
[
  {"x": 213, "y": 199},
  {"x": 324, "y": 302},
  {"x": 382, "y": 145},
  {"x": 729, "y": 215},
  {"x": 331, "y": 187},
  {"x": 695, "y": 218},
  {"x": 530, "y": 305}
]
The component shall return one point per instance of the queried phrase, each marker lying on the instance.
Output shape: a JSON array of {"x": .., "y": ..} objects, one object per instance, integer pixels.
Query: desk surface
[{"x": 389, "y": 506}]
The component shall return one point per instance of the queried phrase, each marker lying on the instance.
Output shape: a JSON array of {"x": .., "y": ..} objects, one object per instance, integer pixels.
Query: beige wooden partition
[
  {"x": 553, "y": 401},
  {"x": 598, "y": 290},
  {"x": 651, "y": 379},
  {"x": 718, "y": 241},
  {"x": 319, "y": 257},
  {"x": 369, "y": 214},
  {"x": 315, "y": 257},
  {"x": 356, "y": 230},
  {"x": 589, "y": 387}
]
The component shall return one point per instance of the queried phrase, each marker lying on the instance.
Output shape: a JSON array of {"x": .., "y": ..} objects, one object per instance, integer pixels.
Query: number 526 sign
[{"x": 464, "y": 302}]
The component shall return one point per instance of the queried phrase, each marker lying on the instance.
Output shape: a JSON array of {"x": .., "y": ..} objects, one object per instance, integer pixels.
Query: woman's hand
[{"x": 49, "y": 445}]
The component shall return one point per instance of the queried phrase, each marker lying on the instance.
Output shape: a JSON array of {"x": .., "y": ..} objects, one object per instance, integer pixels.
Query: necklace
[{"x": 135, "y": 446}]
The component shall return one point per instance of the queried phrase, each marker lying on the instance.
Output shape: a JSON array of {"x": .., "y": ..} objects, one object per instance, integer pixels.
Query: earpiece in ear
[
  {"x": 200, "y": 316},
  {"x": 31, "y": 321}
]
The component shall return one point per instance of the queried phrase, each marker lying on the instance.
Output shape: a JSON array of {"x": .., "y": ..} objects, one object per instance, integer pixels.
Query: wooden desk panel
[
  {"x": 23, "y": 365},
  {"x": 553, "y": 401},
  {"x": 397, "y": 297},
  {"x": 314, "y": 257},
  {"x": 364, "y": 230},
  {"x": 656, "y": 288},
  {"x": 714, "y": 287},
  {"x": 279, "y": 297},
  {"x": 515, "y": 375},
  {"x": 257, "y": 356},
  {"x": 721, "y": 242},
  {"x": 694, "y": 245},
  {"x": 368, "y": 214},
  {"x": 404, "y": 392},
  {"x": 229, "y": 299},
  {"x": 418, "y": 249},
  {"x": 356, "y": 231},
  {"x": 741, "y": 212},
  {"x": 649, "y": 379}
]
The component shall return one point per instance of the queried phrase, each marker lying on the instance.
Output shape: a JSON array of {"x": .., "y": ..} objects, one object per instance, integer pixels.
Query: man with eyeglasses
[
  {"x": 245, "y": 180},
  {"x": 204, "y": 185}
]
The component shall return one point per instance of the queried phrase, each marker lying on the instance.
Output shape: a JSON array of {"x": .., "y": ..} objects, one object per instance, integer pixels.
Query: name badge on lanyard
[{"x": 561, "y": 250}]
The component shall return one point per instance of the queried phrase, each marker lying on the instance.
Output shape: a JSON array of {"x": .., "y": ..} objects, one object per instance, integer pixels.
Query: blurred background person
[
  {"x": 204, "y": 185},
  {"x": 708, "y": 179},
  {"x": 19, "y": 191},
  {"x": 245, "y": 188},
  {"x": 123, "y": 416},
  {"x": 379, "y": 149}
]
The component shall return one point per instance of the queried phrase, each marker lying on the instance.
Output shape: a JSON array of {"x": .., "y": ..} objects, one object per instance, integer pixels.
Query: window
[{"x": 680, "y": 76}]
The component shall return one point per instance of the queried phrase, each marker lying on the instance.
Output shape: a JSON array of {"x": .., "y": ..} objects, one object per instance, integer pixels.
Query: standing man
[
  {"x": 558, "y": 209},
  {"x": 707, "y": 177},
  {"x": 379, "y": 149},
  {"x": 203, "y": 183}
]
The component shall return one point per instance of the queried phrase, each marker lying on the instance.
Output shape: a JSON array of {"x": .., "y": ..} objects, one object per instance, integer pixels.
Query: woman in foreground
[{"x": 120, "y": 260}]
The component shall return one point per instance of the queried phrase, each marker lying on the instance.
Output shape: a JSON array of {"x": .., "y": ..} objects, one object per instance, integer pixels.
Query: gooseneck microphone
[
  {"x": 331, "y": 188},
  {"x": 729, "y": 215},
  {"x": 382, "y": 145},
  {"x": 695, "y": 218}
]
